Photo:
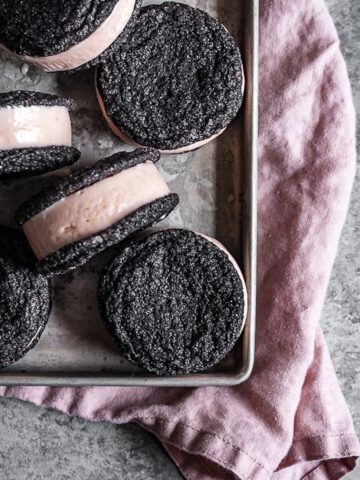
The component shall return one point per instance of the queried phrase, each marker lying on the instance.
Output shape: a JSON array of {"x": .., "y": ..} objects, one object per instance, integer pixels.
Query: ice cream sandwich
[
  {"x": 35, "y": 133},
  {"x": 58, "y": 35},
  {"x": 175, "y": 302},
  {"x": 94, "y": 209},
  {"x": 25, "y": 298},
  {"x": 176, "y": 84}
]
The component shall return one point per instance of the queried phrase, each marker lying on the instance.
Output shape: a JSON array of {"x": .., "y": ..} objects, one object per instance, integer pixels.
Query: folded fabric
[{"x": 289, "y": 421}]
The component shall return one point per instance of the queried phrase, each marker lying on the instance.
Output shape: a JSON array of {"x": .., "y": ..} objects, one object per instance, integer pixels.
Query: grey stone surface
[
  {"x": 39, "y": 444},
  {"x": 42, "y": 443},
  {"x": 341, "y": 314}
]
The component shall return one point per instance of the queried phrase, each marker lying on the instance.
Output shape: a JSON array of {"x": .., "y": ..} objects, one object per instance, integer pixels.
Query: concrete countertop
[
  {"x": 43, "y": 443},
  {"x": 341, "y": 314}
]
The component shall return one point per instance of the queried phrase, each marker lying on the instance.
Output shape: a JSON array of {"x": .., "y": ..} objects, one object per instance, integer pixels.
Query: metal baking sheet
[{"x": 217, "y": 185}]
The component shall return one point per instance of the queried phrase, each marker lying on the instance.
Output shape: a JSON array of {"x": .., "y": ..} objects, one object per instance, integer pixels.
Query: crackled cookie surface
[
  {"x": 175, "y": 302},
  {"x": 25, "y": 298},
  {"x": 176, "y": 84},
  {"x": 56, "y": 35}
]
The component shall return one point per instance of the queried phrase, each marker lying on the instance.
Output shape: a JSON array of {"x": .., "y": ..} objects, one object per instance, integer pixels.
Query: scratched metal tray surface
[{"x": 217, "y": 186}]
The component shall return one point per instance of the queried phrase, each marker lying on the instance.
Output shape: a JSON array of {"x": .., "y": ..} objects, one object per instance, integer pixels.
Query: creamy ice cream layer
[
  {"x": 36, "y": 126},
  {"x": 94, "y": 208},
  {"x": 91, "y": 47}
]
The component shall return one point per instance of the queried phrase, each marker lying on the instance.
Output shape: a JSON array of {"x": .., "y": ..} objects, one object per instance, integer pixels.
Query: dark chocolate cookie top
[
  {"x": 24, "y": 162},
  {"x": 177, "y": 81},
  {"x": 173, "y": 301},
  {"x": 24, "y": 98},
  {"x": 71, "y": 184},
  {"x": 47, "y": 27},
  {"x": 25, "y": 299}
]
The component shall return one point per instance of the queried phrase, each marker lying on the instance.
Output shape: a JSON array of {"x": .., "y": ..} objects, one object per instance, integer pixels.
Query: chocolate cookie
[
  {"x": 25, "y": 298},
  {"x": 176, "y": 84},
  {"x": 175, "y": 302}
]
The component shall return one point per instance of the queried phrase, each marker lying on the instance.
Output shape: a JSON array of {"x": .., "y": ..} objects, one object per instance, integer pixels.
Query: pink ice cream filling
[
  {"x": 94, "y": 208},
  {"x": 36, "y": 126},
  {"x": 88, "y": 49}
]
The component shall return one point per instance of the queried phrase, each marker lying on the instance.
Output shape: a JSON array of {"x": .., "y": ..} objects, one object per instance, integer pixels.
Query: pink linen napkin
[{"x": 290, "y": 420}]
